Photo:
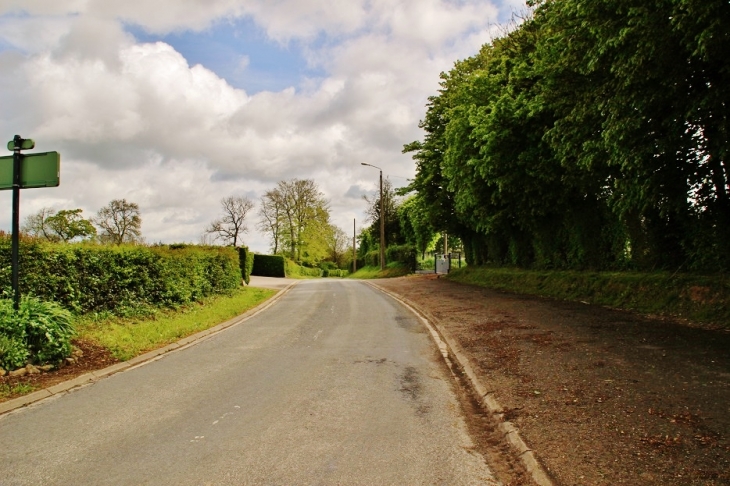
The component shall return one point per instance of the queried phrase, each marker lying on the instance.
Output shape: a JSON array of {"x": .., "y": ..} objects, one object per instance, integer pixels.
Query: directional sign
[
  {"x": 38, "y": 170},
  {"x": 25, "y": 144}
]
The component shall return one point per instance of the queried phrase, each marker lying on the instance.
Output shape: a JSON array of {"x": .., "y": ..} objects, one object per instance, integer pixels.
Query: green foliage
[
  {"x": 245, "y": 260},
  {"x": 701, "y": 298},
  {"x": 592, "y": 136},
  {"x": 95, "y": 278},
  {"x": 13, "y": 352},
  {"x": 68, "y": 225},
  {"x": 393, "y": 269},
  {"x": 404, "y": 254},
  {"x": 40, "y": 331},
  {"x": 334, "y": 272},
  {"x": 269, "y": 266},
  {"x": 293, "y": 270}
]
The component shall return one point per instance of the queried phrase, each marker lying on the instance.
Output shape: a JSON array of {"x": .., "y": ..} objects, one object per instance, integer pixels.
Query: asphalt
[{"x": 336, "y": 384}]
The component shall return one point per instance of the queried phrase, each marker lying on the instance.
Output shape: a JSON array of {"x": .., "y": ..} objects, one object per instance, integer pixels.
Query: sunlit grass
[
  {"x": 394, "y": 269},
  {"x": 130, "y": 337}
]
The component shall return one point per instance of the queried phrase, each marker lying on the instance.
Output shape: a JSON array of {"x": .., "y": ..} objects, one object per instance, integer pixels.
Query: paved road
[{"x": 334, "y": 384}]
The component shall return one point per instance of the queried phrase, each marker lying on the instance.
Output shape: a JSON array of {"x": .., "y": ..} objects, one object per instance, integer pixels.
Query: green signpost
[
  {"x": 37, "y": 170},
  {"x": 18, "y": 172}
]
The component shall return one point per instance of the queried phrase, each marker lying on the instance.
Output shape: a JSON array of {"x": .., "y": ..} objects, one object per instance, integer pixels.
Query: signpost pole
[{"x": 15, "y": 257}]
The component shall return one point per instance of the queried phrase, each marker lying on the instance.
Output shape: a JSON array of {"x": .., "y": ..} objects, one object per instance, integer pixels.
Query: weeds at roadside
[{"x": 7, "y": 390}]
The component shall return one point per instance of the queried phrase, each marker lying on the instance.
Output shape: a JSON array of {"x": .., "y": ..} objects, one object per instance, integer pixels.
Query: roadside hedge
[
  {"x": 335, "y": 273},
  {"x": 87, "y": 277},
  {"x": 245, "y": 260},
  {"x": 294, "y": 270},
  {"x": 269, "y": 266}
]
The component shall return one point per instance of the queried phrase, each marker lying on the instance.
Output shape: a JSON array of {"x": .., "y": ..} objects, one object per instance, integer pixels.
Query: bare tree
[
  {"x": 120, "y": 222},
  {"x": 229, "y": 227},
  {"x": 37, "y": 225}
]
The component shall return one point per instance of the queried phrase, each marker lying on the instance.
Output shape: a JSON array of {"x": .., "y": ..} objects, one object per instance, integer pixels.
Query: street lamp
[{"x": 382, "y": 218}]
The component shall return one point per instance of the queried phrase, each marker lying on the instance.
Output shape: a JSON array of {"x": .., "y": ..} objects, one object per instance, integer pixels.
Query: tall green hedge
[
  {"x": 245, "y": 260},
  {"x": 269, "y": 266},
  {"x": 89, "y": 277}
]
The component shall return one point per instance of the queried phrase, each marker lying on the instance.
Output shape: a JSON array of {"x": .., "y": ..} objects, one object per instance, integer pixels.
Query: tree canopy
[{"x": 593, "y": 135}]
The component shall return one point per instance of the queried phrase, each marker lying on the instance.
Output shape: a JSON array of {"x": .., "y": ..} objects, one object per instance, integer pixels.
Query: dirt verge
[{"x": 603, "y": 397}]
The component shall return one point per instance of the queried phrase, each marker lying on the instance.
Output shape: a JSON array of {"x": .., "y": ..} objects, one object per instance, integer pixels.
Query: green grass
[
  {"x": 7, "y": 391},
  {"x": 127, "y": 337},
  {"x": 698, "y": 298},
  {"x": 394, "y": 269}
]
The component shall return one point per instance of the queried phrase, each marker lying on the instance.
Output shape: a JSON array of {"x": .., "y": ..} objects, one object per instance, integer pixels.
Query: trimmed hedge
[
  {"x": 294, "y": 270},
  {"x": 91, "y": 278},
  {"x": 245, "y": 261},
  {"x": 269, "y": 266},
  {"x": 335, "y": 273}
]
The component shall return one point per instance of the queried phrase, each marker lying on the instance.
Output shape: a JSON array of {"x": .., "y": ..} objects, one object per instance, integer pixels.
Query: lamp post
[{"x": 382, "y": 218}]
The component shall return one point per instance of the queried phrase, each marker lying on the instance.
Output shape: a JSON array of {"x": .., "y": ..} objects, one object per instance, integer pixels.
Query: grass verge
[
  {"x": 704, "y": 299},
  {"x": 127, "y": 337},
  {"x": 394, "y": 269}
]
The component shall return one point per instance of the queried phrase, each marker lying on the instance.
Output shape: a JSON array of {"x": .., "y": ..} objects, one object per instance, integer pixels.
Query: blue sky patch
[{"x": 240, "y": 52}]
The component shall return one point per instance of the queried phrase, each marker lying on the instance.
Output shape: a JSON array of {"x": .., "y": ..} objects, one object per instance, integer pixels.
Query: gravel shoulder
[{"x": 601, "y": 396}]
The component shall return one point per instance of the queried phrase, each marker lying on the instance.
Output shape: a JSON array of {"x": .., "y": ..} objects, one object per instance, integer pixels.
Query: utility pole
[
  {"x": 382, "y": 218},
  {"x": 354, "y": 250}
]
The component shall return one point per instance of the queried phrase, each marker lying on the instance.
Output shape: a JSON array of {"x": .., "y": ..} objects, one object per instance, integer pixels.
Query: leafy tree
[
  {"x": 295, "y": 214},
  {"x": 120, "y": 222},
  {"x": 338, "y": 246},
  {"x": 64, "y": 225},
  {"x": 68, "y": 224},
  {"x": 271, "y": 220},
  {"x": 232, "y": 224}
]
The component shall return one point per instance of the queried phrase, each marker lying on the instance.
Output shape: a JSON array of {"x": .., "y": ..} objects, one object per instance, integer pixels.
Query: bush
[
  {"x": 245, "y": 261},
  {"x": 405, "y": 254},
  {"x": 269, "y": 266},
  {"x": 39, "y": 331},
  {"x": 93, "y": 278},
  {"x": 335, "y": 273},
  {"x": 294, "y": 270}
]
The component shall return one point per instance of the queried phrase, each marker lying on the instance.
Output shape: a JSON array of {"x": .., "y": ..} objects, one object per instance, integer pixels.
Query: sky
[{"x": 176, "y": 104}]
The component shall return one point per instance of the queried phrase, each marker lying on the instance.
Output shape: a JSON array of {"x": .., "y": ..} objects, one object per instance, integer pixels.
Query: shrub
[
  {"x": 269, "y": 266},
  {"x": 93, "y": 278},
  {"x": 245, "y": 261},
  {"x": 39, "y": 331},
  {"x": 294, "y": 270},
  {"x": 335, "y": 273},
  {"x": 405, "y": 254}
]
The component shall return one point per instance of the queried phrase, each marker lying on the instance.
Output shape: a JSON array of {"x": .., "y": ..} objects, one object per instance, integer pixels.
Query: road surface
[{"x": 334, "y": 384}]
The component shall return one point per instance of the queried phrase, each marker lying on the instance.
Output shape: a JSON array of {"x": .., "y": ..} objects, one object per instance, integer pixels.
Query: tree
[
  {"x": 68, "y": 224},
  {"x": 232, "y": 224},
  {"x": 297, "y": 217},
  {"x": 64, "y": 225},
  {"x": 120, "y": 222},
  {"x": 271, "y": 214},
  {"x": 36, "y": 225},
  {"x": 338, "y": 246}
]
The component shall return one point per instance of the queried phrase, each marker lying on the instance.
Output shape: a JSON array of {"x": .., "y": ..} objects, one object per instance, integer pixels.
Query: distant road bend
[{"x": 334, "y": 384}]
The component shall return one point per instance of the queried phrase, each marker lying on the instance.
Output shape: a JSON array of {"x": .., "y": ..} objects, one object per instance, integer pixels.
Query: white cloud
[{"x": 136, "y": 120}]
